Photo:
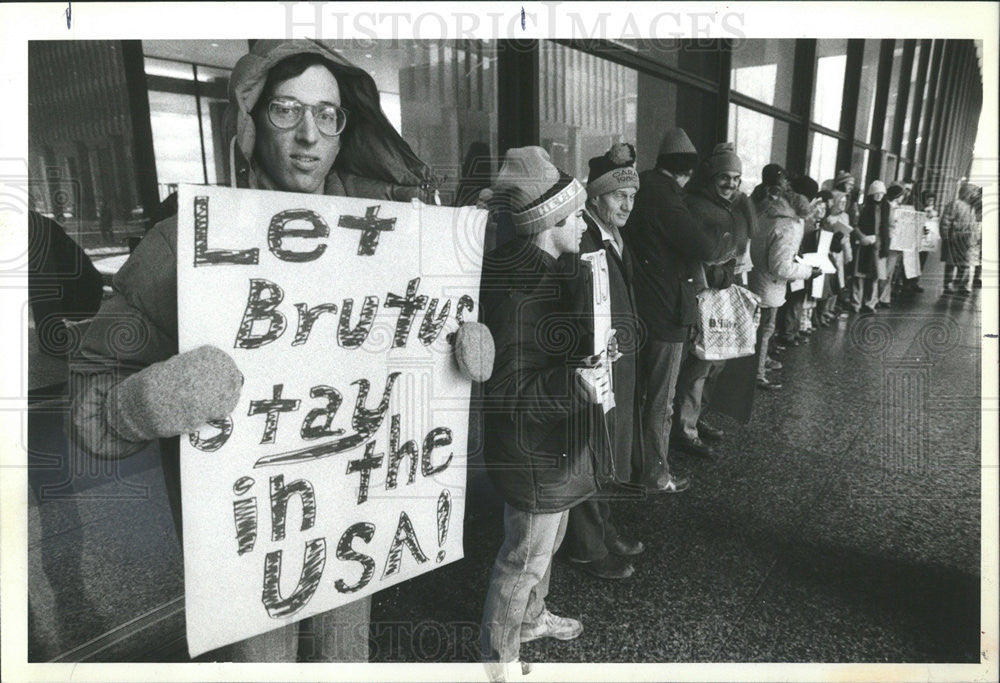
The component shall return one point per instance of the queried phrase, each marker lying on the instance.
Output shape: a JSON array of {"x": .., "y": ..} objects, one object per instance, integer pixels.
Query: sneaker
[
  {"x": 766, "y": 384},
  {"x": 506, "y": 671},
  {"x": 709, "y": 432},
  {"x": 692, "y": 447},
  {"x": 551, "y": 626},
  {"x": 668, "y": 483},
  {"x": 610, "y": 566},
  {"x": 771, "y": 364},
  {"x": 625, "y": 546}
]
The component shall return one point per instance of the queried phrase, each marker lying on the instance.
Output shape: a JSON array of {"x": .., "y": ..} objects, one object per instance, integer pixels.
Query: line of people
[{"x": 556, "y": 455}]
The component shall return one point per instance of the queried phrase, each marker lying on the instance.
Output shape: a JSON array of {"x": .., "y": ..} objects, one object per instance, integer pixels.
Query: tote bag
[{"x": 727, "y": 323}]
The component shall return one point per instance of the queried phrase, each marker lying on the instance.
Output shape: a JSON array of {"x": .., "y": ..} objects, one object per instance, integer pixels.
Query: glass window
[
  {"x": 822, "y": 157},
  {"x": 925, "y": 114},
  {"x": 176, "y": 140},
  {"x": 859, "y": 164},
  {"x": 441, "y": 97},
  {"x": 80, "y": 135},
  {"x": 866, "y": 93},
  {"x": 187, "y": 150},
  {"x": 890, "y": 110},
  {"x": 699, "y": 57},
  {"x": 576, "y": 124},
  {"x": 908, "y": 125},
  {"x": 760, "y": 140},
  {"x": 762, "y": 69},
  {"x": 831, "y": 63}
]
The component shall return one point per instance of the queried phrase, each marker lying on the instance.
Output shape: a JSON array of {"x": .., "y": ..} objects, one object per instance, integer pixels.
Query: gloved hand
[
  {"x": 474, "y": 351},
  {"x": 175, "y": 396},
  {"x": 816, "y": 272},
  {"x": 868, "y": 240}
]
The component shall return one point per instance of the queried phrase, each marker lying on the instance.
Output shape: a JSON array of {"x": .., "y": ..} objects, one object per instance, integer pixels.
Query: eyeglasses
[{"x": 287, "y": 112}]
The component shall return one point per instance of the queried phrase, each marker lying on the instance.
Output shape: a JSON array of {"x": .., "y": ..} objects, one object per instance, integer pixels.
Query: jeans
[
  {"x": 520, "y": 580},
  {"x": 589, "y": 530},
  {"x": 885, "y": 286},
  {"x": 661, "y": 363},
  {"x": 340, "y": 635},
  {"x": 694, "y": 387},
  {"x": 768, "y": 316}
]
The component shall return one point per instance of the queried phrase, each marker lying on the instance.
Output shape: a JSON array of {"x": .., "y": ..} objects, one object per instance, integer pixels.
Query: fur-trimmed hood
[
  {"x": 785, "y": 204},
  {"x": 374, "y": 160}
]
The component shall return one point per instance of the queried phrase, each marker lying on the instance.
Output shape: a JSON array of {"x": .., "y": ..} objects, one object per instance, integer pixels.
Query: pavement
[{"x": 842, "y": 524}]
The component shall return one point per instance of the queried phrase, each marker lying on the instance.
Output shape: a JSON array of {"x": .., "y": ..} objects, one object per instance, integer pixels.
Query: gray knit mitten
[
  {"x": 175, "y": 396},
  {"x": 474, "y": 351}
]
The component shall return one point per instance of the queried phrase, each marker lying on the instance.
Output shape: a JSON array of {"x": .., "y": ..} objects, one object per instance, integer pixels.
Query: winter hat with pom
[{"x": 613, "y": 170}]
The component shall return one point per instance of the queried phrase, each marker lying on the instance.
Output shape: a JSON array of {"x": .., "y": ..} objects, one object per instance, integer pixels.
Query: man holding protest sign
[
  {"x": 542, "y": 403},
  {"x": 302, "y": 119}
]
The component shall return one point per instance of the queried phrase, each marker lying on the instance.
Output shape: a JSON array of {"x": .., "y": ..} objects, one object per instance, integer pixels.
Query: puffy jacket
[
  {"x": 773, "y": 251},
  {"x": 137, "y": 325},
  {"x": 539, "y": 442}
]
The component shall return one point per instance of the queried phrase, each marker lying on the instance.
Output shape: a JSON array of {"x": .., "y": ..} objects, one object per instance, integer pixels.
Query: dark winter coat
[
  {"x": 624, "y": 420},
  {"x": 873, "y": 220},
  {"x": 716, "y": 219},
  {"x": 539, "y": 439},
  {"x": 667, "y": 248}
]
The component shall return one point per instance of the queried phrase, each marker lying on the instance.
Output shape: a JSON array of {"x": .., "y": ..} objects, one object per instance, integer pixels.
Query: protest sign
[
  {"x": 342, "y": 469},
  {"x": 603, "y": 330},
  {"x": 906, "y": 230}
]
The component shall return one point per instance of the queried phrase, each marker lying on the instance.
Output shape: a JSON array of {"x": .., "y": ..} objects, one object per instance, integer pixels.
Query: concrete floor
[{"x": 842, "y": 524}]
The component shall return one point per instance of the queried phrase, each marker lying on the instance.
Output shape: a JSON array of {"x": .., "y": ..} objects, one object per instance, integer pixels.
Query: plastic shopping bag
[{"x": 727, "y": 323}]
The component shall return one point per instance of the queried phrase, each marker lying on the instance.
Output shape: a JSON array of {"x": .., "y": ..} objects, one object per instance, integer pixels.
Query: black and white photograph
[{"x": 499, "y": 341}]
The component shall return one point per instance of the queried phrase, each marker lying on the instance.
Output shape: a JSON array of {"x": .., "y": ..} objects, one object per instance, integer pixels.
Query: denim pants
[
  {"x": 768, "y": 316},
  {"x": 340, "y": 635},
  {"x": 885, "y": 286},
  {"x": 661, "y": 363},
  {"x": 694, "y": 388},
  {"x": 520, "y": 580}
]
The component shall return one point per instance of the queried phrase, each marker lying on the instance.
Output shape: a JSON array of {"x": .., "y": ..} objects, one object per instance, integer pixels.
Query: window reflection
[
  {"x": 441, "y": 97},
  {"x": 588, "y": 103},
  {"x": 763, "y": 70},
  {"x": 866, "y": 93},
  {"x": 760, "y": 140},
  {"x": 915, "y": 91},
  {"x": 890, "y": 110},
  {"x": 831, "y": 63},
  {"x": 822, "y": 157}
]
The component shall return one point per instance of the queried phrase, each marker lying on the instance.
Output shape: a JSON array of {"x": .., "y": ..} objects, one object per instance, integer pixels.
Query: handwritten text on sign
[{"x": 342, "y": 469}]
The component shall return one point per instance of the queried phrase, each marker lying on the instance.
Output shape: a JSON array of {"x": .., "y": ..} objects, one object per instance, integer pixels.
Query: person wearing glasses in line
[{"x": 301, "y": 119}]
